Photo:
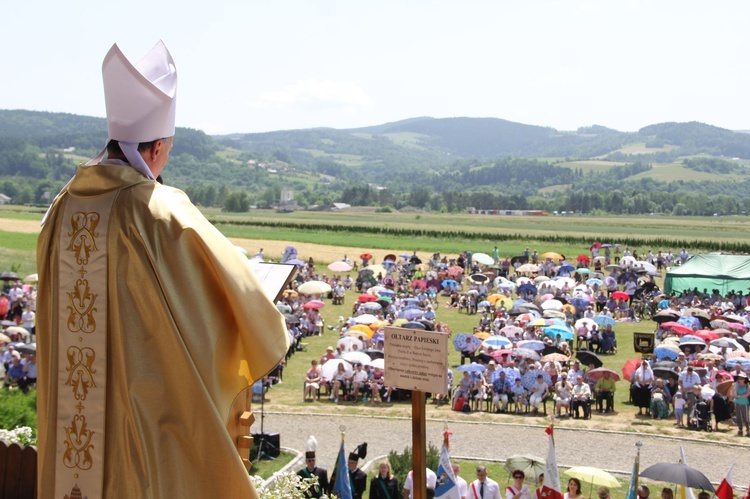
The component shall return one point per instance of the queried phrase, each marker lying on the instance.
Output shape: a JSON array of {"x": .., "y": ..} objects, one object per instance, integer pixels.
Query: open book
[{"x": 274, "y": 277}]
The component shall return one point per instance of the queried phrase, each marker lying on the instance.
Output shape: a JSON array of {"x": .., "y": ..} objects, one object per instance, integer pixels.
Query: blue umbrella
[
  {"x": 290, "y": 252},
  {"x": 410, "y": 300},
  {"x": 583, "y": 270},
  {"x": 450, "y": 284},
  {"x": 605, "y": 320},
  {"x": 527, "y": 288},
  {"x": 411, "y": 314},
  {"x": 471, "y": 368},
  {"x": 459, "y": 341},
  {"x": 412, "y": 307},
  {"x": 579, "y": 302},
  {"x": 387, "y": 292},
  {"x": 484, "y": 303},
  {"x": 689, "y": 321},
  {"x": 510, "y": 374},
  {"x": 528, "y": 380},
  {"x": 691, "y": 338},
  {"x": 414, "y": 325},
  {"x": 594, "y": 282},
  {"x": 371, "y": 307},
  {"x": 567, "y": 267},
  {"x": 519, "y": 302},
  {"x": 742, "y": 361},
  {"x": 295, "y": 261},
  {"x": 497, "y": 341},
  {"x": 553, "y": 331},
  {"x": 662, "y": 353},
  {"x": 378, "y": 337}
]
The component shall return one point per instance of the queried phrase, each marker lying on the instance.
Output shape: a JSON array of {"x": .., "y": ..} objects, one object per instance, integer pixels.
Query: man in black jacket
[
  {"x": 357, "y": 476},
  {"x": 309, "y": 471}
]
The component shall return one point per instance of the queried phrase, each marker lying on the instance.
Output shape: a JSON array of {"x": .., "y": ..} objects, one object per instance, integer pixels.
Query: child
[
  {"x": 519, "y": 395},
  {"x": 679, "y": 408}
]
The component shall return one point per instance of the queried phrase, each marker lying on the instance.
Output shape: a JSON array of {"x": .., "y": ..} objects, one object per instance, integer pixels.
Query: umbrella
[
  {"x": 724, "y": 387},
  {"x": 9, "y": 276},
  {"x": 365, "y": 319},
  {"x": 339, "y": 266},
  {"x": 356, "y": 357},
  {"x": 290, "y": 293},
  {"x": 531, "y": 466},
  {"x": 593, "y": 476},
  {"x": 5, "y": 323},
  {"x": 460, "y": 341},
  {"x": 412, "y": 313},
  {"x": 314, "y": 288},
  {"x": 665, "y": 372},
  {"x": 535, "y": 345},
  {"x": 620, "y": 295},
  {"x": 496, "y": 342},
  {"x": 583, "y": 270},
  {"x": 4, "y": 338},
  {"x": 330, "y": 368},
  {"x": 742, "y": 361},
  {"x": 484, "y": 304},
  {"x": 295, "y": 261},
  {"x": 566, "y": 268},
  {"x": 316, "y": 304},
  {"x": 366, "y": 297},
  {"x": 374, "y": 354},
  {"x": 511, "y": 330},
  {"x": 17, "y": 330},
  {"x": 555, "y": 357},
  {"x": 678, "y": 328},
  {"x": 728, "y": 343},
  {"x": 553, "y": 331},
  {"x": 597, "y": 245},
  {"x": 482, "y": 258},
  {"x": 527, "y": 288},
  {"x": 599, "y": 372},
  {"x": 665, "y": 316},
  {"x": 526, "y": 353},
  {"x": 552, "y": 305},
  {"x": 479, "y": 278},
  {"x": 450, "y": 284},
  {"x": 347, "y": 344},
  {"x": 471, "y": 368},
  {"x": 594, "y": 282},
  {"x": 583, "y": 258},
  {"x": 31, "y": 278},
  {"x": 378, "y": 363},
  {"x": 362, "y": 328},
  {"x": 528, "y": 380},
  {"x": 629, "y": 368},
  {"x": 679, "y": 474},
  {"x": 482, "y": 335},
  {"x": 455, "y": 271},
  {"x": 284, "y": 308},
  {"x": 689, "y": 321},
  {"x": 664, "y": 352},
  {"x": 291, "y": 319},
  {"x": 552, "y": 255},
  {"x": 587, "y": 358},
  {"x": 542, "y": 322},
  {"x": 527, "y": 267},
  {"x": 366, "y": 256},
  {"x": 605, "y": 320}
]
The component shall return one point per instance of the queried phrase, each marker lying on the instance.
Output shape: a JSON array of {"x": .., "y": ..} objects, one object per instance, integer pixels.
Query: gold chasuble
[{"x": 149, "y": 323}]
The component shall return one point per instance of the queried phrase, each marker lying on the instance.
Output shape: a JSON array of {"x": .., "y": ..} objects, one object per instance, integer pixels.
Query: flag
[
  {"x": 685, "y": 492},
  {"x": 551, "y": 486},
  {"x": 342, "y": 485},
  {"x": 446, "y": 487},
  {"x": 725, "y": 491},
  {"x": 633, "y": 490}
]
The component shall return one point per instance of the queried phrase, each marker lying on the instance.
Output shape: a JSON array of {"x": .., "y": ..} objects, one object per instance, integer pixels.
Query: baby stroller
[{"x": 701, "y": 420}]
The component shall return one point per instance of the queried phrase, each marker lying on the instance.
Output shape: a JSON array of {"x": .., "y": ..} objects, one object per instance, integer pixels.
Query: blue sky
[{"x": 253, "y": 66}]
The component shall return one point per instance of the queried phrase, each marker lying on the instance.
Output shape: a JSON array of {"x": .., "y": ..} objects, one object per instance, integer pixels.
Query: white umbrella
[
  {"x": 588, "y": 322},
  {"x": 4, "y": 338},
  {"x": 330, "y": 368},
  {"x": 375, "y": 290},
  {"x": 357, "y": 357},
  {"x": 522, "y": 280},
  {"x": 552, "y": 305},
  {"x": 17, "y": 330},
  {"x": 347, "y": 344},
  {"x": 353, "y": 333},
  {"x": 561, "y": 282},
  {"x": 314, "y": 288},
  {"x": 379, "y": 363},
  {"x": 366, "y": 319},
  {"x": 482, "y": 258},
  {"x": 339, "y": 266},
  {"x": 528, "y": 267},
  {"x": 31, "y": 278}
]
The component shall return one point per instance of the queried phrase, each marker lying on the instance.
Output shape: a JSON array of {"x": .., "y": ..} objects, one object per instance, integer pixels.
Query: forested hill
[{"x": 448, "y": 163}]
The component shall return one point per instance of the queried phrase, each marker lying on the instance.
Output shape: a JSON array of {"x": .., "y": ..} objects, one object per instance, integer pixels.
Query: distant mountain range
[{"x": 538, "y": 165}]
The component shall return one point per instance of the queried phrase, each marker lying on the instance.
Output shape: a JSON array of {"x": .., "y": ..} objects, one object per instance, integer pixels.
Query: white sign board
[{"x": 416, "y": 359}]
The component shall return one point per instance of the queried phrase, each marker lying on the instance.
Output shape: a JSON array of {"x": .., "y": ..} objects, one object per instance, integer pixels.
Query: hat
[
  {"x": 140, "y": 100},
  {"x": 603, "y": 492},
  {"x": 742, "y": 375},
  {"x": 359, "y": 452},
  {"x": 311, "y": 447},
  {"x": 492, "y": 363},
  {"x": 329, "y": 348}
]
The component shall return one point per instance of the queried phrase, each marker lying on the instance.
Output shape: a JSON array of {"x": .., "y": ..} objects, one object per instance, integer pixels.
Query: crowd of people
[{"x": 18, "y": 316}]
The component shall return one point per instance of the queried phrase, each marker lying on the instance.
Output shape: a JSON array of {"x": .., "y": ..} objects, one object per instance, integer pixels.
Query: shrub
[
  {"x": 18, "y": 409},
  {"x": 401, "y": 463}
]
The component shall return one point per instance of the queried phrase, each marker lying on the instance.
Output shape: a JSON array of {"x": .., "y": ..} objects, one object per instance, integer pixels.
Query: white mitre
[{"x": 140, "y": 100}]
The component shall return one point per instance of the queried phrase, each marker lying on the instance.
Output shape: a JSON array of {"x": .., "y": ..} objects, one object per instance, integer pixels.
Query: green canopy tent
[{"x": 723, "y": 272}]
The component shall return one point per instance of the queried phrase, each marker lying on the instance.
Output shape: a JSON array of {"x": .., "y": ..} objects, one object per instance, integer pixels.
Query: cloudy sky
[{"x": 254, "y": 66}]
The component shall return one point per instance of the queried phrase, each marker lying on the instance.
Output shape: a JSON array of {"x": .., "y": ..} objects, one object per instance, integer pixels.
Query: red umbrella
[
  {"x": 629, "y": 368},
  {"x": 366, "y": 256},
  {"x": 620, "y": 295},
  {"x": 706, "y": 335},
  {"x": 419, "y": 283},
  {"x": 680, "y": 329},
  {"x": 596, "y": 245},
  {"x": 366, "y": 298},
  {"x": 316, "y": 304},
  {"x": 583, "y": 258},
  {"x": 597, "y": 373}
]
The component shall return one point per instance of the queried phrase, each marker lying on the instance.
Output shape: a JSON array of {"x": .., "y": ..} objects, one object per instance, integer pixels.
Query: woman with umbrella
[{"x": 739, "y": 394}]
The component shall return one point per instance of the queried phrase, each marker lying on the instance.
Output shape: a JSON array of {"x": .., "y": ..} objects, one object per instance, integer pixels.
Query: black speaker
[{"x": 269, "y": 443}]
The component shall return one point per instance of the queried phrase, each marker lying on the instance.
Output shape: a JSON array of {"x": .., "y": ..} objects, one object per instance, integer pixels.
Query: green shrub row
[
  {"x": 634, "y": 242},
  {"x": 401, "y": 463}
]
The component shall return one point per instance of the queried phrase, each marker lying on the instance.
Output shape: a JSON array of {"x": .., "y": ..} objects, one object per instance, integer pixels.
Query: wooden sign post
[{"x": 417, "y": 360}]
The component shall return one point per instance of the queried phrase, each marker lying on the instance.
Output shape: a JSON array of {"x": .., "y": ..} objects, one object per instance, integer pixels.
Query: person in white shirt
[
  {"x": 463, "y": 487},
  {"x": 484, "y": 487},
  {"x": 431, "y": 479},
  {"x": 518, "y": 490}
]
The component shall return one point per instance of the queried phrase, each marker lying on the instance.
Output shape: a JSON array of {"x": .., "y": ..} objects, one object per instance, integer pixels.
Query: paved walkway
[{"x": 612, "y": 451}]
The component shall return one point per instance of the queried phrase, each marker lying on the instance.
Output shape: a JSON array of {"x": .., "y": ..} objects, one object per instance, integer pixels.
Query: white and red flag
[{"x": 551, "y": 487}]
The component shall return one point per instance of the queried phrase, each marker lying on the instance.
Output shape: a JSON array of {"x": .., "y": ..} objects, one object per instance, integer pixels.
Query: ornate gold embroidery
[
  {"x": 83, "y": 235},
  {"x": 75, "y": 493},
  {"x": 80, "y": 371},
  {"x": 78, "y": 445},
  {"x": 81, "y": 308}
]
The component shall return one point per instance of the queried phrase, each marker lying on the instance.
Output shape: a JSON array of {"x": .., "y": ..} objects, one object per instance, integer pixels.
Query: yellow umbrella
[
  {"x": 593, "y": 476},
  {"x": 400, "y": 322},
  {"x": 552, "y": 255},
  {"x": 363, "y": 329},
  {"x": 569, "y": 308},
  {"x": 482, "y": 335},
  {"x": 495, "y": 297}
]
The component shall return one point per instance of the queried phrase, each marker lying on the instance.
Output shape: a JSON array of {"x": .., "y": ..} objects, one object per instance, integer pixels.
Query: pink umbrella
[
  {"x": 736, "y": 326},
  {"x": 340, "y": 266},
  {"x": 548, "y": 296},
  {"x": 316, "y": 304}
]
